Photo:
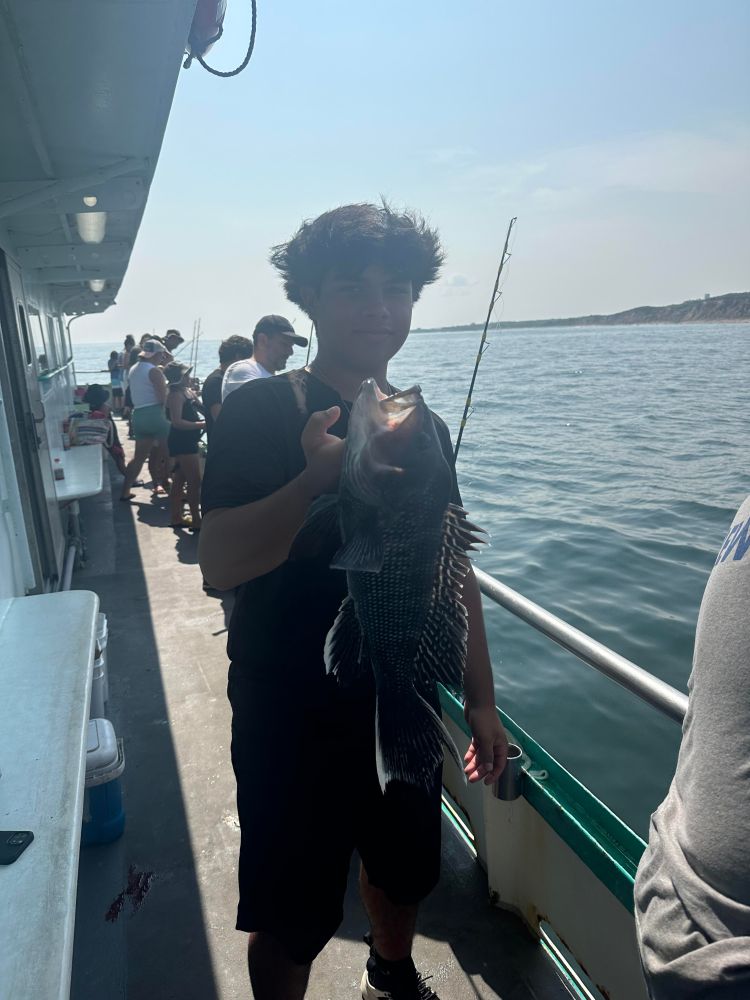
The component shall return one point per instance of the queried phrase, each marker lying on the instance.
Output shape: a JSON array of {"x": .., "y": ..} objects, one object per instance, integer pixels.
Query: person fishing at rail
[
  {"x": 148, "y": 389},
  {"x": 302, "y": 745},
  {"x": 235, "y": 348},
  {"x": 186, "y": 426}
]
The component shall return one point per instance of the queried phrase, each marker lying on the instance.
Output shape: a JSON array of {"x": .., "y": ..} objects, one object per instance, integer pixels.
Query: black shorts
[
  {"x": 308, "y": 797},
  {"x": 180, "y": 442},
  {"x": 117, "y": 392}
]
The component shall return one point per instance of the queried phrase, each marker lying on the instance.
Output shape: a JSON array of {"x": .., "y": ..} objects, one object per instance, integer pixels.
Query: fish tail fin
[{"x": 409, "y": 740}]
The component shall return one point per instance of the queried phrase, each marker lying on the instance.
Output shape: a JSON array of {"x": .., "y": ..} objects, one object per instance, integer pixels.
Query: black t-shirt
[
  {"x": 210, "y": 395},
  {"x": 280, "y": 620}
]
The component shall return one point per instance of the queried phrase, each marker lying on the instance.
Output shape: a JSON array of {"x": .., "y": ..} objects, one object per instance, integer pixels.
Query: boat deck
[{"x": 155, "y": 911}]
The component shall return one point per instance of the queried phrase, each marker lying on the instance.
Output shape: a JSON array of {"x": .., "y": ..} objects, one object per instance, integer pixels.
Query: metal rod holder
[{"x": 509, "y": 785}]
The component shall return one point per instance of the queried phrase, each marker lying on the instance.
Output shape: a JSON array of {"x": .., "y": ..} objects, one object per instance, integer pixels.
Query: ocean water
[{"x": 606, "y": 464}]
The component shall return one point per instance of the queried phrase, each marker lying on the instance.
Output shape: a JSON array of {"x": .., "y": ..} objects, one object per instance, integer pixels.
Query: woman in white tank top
[
  {"x": 148, "y": 390},
  {"x": 142, "y": 389}
]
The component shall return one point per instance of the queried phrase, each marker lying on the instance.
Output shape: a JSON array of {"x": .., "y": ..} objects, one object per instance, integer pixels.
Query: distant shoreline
[{"x": 733, "y": 307}]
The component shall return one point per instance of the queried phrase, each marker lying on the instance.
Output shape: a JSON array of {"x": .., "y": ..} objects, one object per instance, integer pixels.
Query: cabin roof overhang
[{"x": 85, "y": 93}]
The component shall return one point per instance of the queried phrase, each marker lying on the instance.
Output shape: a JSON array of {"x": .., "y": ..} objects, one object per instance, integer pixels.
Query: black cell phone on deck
[{"x": 12, "y": 844}]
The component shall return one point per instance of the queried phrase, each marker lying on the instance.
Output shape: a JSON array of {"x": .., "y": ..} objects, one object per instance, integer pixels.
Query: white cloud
[
  {"x": 667, "y": 163},
  {"x": 456, "y": 284},
  {"x": 451, "y": 156}
]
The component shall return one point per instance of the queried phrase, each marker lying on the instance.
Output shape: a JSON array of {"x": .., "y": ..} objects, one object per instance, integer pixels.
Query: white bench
[{"x": 46, "y": 652}]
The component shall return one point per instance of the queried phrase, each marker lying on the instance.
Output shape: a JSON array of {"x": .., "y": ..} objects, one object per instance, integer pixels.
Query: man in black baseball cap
[{"x": 274, "y": 338}]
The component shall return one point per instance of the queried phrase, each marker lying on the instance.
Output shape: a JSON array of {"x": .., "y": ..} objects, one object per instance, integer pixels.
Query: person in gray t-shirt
[{"x": 692, "y": 889}]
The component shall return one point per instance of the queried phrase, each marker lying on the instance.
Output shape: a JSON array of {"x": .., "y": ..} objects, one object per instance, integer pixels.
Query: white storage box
[
  {"x": 102, "y": 638},
  {"x": 98, "y": 704},
  {"x": 102, "y": 633}
]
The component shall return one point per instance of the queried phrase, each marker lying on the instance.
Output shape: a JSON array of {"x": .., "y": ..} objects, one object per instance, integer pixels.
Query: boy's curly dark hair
[
  {"x": 349, "y": 239},
  {"x": 235, "y": 348}
]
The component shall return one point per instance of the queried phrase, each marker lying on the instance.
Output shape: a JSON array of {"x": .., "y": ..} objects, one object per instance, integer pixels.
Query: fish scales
[{"x": 404, "y": 552}]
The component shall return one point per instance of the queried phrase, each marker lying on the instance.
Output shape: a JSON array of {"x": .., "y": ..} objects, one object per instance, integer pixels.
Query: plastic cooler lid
[{"x": 101, "y": 744}]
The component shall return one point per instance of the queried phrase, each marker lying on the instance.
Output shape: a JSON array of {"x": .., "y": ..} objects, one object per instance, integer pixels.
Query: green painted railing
[{"x": 605, "y": 844}]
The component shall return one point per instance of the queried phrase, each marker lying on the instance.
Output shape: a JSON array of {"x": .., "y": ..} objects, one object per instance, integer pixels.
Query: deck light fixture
[
  {"x": 90, "y": 200},
  {"x": 91, "y": 226},
  {"x": 97, "y": 284}
]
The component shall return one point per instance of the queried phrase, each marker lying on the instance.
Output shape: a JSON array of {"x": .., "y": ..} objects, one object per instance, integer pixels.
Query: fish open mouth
[
  {"x": 381, "y": 428},
  {"x": 400, "y": 405}
]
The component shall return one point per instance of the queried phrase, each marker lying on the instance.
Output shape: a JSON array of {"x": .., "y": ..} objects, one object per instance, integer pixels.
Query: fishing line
[{"x": 483, "y": 345}]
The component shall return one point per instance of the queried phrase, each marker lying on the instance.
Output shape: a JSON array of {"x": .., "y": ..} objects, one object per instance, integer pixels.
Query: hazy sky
[{"x": 617, "y": 132}]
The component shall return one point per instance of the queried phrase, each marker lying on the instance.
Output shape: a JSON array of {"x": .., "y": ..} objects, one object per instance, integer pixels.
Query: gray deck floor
[{"x": 174, "y": 869}]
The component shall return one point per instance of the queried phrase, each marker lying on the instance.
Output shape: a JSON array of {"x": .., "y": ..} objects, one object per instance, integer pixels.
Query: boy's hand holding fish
[{"x": 324, "y": 454}]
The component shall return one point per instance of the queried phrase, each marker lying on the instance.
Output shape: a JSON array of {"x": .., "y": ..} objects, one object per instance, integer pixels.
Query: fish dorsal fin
[
  {"x": 364, "y": 551},
  {"x": 461, "y": 535},
  {"x": 441, "y": 654},
  {"x": 344, "y": 651},
  {"x": 320, "y": 526}
]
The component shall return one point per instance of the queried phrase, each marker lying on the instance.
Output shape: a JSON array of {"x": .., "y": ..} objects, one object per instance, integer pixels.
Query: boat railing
[{"x": 655, "y": 692}]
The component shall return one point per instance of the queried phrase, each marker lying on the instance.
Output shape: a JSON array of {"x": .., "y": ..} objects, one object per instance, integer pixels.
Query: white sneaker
[{"x": 416, "y": 990}]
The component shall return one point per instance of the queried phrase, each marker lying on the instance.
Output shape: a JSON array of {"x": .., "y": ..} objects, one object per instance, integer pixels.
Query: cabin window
[
  {"x": 67, "y": 346},
  {"x": 43, "y": 351},
  {"x": 25, "y": 338},
  {"x": 57, "y": 337}
]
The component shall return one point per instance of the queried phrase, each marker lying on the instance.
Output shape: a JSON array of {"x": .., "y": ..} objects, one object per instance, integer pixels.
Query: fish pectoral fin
[
  {"x": 409, "y": 740},
  {"x": 318, "y": 529},
  {"x": 344, "y": 651},
  {"x": 363, "y": 552}
]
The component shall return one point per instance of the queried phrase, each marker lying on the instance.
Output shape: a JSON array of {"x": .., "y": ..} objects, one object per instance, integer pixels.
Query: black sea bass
[{"x": 404, "y": 551}]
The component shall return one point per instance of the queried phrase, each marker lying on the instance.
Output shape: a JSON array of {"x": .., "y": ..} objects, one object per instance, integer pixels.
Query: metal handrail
[{"x": 662, "y": 696}]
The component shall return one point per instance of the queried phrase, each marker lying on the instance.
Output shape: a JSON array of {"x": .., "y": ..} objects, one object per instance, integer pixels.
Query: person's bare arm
[
  {"x": 215, "y": 411},
  {"x": 488, "y": 751},
  {"x": 238, "y": 544},
  {"x": 156, "y": 377}
]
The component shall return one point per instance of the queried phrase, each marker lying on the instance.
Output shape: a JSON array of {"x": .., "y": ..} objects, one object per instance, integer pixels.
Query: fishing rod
[
  {"x": 186, "y": 345},
  {"x": 197, "y": 344},
  {"x": 309, "y": 342},
  {"x": 483, "y": 345}
]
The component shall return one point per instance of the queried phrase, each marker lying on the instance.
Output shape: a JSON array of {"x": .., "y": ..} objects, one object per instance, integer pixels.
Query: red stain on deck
[{"x": 136, "y": 890}]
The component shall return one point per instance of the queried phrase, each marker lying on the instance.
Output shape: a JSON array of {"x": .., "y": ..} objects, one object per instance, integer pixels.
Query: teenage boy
[
  {"x": 273, "y": 344},
  {"x": 302, "y": 747},
  {"x": 232, "y": 349}
]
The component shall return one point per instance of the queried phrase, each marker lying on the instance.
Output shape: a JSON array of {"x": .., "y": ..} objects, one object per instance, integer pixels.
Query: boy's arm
[
  {"x": 240, "y": 543},
  {"x": 488, "y": 751}
]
